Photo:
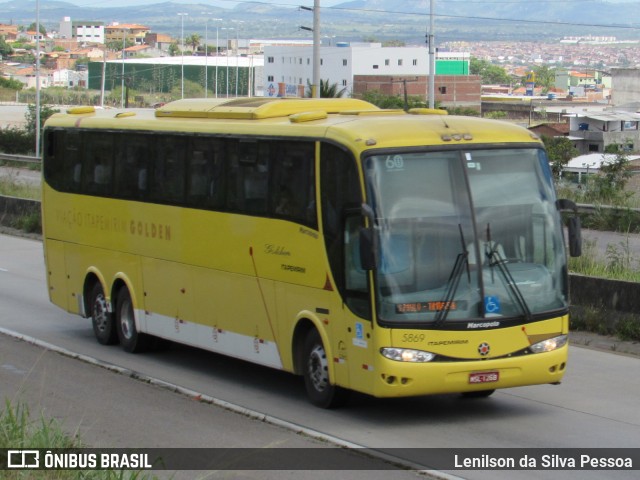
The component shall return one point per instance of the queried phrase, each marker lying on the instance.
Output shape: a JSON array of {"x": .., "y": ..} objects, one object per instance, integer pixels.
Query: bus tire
[
  {"x": 104, "y": 326},
  {"x": 316, "y": 374},
  {"x": 131, "y": 340},
  {"x": 478, "y": 394}
]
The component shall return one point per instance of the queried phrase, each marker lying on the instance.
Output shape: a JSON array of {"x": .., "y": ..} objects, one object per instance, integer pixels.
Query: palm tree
[
  {"x": 326, "y": 90},
  {"x": 194, "y": 41}
]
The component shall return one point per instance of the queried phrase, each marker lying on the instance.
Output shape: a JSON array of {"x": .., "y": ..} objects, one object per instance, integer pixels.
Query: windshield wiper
[
  {"x": 497, "y": 260},
  {"x": 462, "y": 261}
]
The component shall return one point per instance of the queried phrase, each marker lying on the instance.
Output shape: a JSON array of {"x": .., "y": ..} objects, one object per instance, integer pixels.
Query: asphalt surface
[
  {"x": 12, "y": 115},
  {"x": 110, "y": 409}
]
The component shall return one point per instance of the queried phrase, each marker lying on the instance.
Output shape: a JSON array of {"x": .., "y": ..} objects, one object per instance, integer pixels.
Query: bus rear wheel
[
  {"x": 104, "y": 327},
  {"x": 131, "y": 340},
  {"x": 316, "y": 374}
]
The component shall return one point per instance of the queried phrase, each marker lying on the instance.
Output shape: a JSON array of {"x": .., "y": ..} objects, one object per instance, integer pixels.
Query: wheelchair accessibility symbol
[{"x": 492, "y": 304}]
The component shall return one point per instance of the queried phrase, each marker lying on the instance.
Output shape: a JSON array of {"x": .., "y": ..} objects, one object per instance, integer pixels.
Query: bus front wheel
[
  {"x": 104, "y": 327},
  {"x": 131, "y": 340},
  {"x": 316, "y": 374}
]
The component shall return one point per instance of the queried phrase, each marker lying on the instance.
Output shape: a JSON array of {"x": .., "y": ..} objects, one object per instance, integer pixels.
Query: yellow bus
[{"x": 386, "y": 252}]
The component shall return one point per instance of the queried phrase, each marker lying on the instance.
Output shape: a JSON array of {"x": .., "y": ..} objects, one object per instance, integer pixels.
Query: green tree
[
  {"x": 496, "y": 115},
  {"x": 491, "y": 74},
  {"x": 559, "y": 150},
  {"x": 326, "y": 90},
  {"x": 32, "y": 28},
  {"x": 393, "y": 43},
  {"x": 463, "y": 111},
  {"x": 609, "y": 185},
  {"x": 5, "y": 48},
  {"x": 11, "y": 84},
  {"x": 193, "y": 40},
  {"x": 382, "y": 100},
  {"x": 116, "y": 45},
  {"x": 45, "y": 112},
  {"x": 174, "y": 50},
  {"x": 545, "y": 77}
]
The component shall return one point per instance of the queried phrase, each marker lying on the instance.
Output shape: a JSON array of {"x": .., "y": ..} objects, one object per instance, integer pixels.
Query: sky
[
  {"x": 220, "y": 3},
  {"x": 233, "y": 3}
]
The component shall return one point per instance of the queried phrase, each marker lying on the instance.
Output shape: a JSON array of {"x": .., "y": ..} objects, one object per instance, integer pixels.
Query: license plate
[{"x": 484, "y": 377}]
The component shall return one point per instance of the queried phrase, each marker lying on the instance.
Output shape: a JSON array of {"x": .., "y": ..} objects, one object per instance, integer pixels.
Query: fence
[{"x": 19, "y": 158}]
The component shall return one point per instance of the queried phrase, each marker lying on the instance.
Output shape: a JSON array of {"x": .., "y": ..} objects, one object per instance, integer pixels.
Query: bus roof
[{"x": 350, "y": 121}]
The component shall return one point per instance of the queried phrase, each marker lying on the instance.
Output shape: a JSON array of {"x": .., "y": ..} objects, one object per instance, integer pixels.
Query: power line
[
  {"x": 441, "y": 15},
  {"x": 494, "y": 19}
]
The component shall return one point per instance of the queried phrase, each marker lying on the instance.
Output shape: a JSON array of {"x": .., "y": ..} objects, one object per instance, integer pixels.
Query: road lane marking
[{"x": 13, "y": 369}]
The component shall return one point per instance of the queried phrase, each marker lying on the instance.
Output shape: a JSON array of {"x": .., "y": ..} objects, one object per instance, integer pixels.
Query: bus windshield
[{"x": 464, "y": 235}]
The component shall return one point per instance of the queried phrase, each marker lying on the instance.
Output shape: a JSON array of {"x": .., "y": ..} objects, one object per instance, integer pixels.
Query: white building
[
  {"x": 293, "y": 65},
  {"x": 69, "y": 78},
  {"x": 82, "y": 31}
]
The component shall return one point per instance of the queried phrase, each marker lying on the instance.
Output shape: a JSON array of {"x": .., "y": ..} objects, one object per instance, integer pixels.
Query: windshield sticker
[
  {"x": 394, "y": 163},
  {"x": 471, "y": 165},
  {"x": 474, "y": 166},
  {"x": 359, "y": 341},
  {"x": 492, "y": 305}
]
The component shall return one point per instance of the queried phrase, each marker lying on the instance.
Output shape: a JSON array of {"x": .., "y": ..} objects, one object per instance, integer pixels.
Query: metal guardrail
[
  {"x": 19, "y": 158},
  {"x": 586, "y": 208}
]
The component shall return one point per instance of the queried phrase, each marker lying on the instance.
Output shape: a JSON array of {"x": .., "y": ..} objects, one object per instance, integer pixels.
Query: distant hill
[{"x": 356, "y": 20}]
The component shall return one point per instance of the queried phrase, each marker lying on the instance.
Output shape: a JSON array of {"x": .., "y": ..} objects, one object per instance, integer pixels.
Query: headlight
[
  {"x": 549, "y": 344},
  {"x": 407, "y": 355}
]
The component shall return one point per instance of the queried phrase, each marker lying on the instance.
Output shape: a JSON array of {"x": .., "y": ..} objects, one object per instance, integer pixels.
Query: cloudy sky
[{"x": 220, "y": 3}]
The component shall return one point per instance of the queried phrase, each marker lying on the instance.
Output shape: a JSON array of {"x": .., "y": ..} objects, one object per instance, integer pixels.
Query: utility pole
[
  {"x": 38, "y": 78},
  {"x": 182, "y": 15},
  {"x": 432, "y": 55},
  {"x": 315, "y": 82},
  {"x": 315, "y": 90},
  {"x": 406, "y": 96}
]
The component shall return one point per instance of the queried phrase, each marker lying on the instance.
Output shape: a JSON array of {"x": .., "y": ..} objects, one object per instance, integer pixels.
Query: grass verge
[
  {"x": 19, "y": 431},
  {"x": 10, "y": 188}
]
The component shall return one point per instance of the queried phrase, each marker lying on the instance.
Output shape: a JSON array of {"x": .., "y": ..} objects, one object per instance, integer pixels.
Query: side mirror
[
  {"x": 573, "y": 226},
  {"x": 575, "y": 236}
]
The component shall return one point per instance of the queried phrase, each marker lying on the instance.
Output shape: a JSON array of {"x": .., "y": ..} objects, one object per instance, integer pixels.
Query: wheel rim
[
  {"x": 127, "y": 322},
  {"x": 318, "y": 368},
  {"x": 100, "y": 313}
]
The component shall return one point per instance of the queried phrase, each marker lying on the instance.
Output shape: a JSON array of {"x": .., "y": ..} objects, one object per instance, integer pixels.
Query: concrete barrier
[
  {"x": 616, "y": 295},
  {"x": 12, "y": 207}
]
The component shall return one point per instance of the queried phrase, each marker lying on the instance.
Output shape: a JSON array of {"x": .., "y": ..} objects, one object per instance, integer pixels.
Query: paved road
[
  {"x": 21, "y": 176},
  {"x": 627, "y": 244},
  {"x": 12, "y": 115},
  {"x": 112, "y": 410}
]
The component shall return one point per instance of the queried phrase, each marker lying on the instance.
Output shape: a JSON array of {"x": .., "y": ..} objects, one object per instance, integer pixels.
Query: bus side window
[
  {"x": 254, "y": 168},
  {"x": 205, "y": 188},
  {"x": 217, "y": 186},
  {"x": 197, "y": 176},
  {"x": 62, "y": 166},
  {"x": 169, "y": 170},
  {"x": 232, "y": 177},
  {"x": 98, "y": 172},
  {"x": 132, "y": 166},
  {"x": 293, "y": 183}
]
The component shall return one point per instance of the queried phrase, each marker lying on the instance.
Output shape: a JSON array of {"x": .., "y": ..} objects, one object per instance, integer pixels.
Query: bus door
[{"x": 341, "y": 200}]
